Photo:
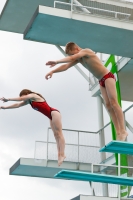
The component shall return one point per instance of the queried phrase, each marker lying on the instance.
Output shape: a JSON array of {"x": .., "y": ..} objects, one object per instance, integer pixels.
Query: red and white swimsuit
[{"x": 43, "y": 107}]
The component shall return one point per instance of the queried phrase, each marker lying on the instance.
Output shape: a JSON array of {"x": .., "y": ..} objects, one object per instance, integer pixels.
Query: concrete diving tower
[{"x": 104, "y": 27}]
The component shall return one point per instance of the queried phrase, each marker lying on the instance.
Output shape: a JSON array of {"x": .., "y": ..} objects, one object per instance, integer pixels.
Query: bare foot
[
  {"x": 122, "y": 137},
  {"x": 60, "y": 160},
  {"x": 118, "y": 137}
]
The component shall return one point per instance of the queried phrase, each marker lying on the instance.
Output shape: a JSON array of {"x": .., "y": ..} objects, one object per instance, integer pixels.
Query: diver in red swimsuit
[{"x": 38, "y": 103}]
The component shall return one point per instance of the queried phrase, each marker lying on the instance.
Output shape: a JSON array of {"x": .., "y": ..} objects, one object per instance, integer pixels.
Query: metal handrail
[
  {"x": 76, "y": 130},
  {"x": 109, "y": 11},
  {"x": 81, "y": 145},
  {"x": 99, "y": 164},
  {"x": 128, "y": 108},
  {"x": 115, "y": 12}
]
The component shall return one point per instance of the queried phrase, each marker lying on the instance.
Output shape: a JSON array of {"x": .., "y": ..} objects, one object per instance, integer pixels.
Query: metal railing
[
  {"x": 96, "y": 8},
  {"x": 78, "y": 144},
  {"x": 78, "y": 148}
]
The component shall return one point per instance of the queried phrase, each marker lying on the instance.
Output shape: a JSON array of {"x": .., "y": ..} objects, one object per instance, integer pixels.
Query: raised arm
[
  {"x": 61, "y": 69},
  {"x": 17, "y": 105}
]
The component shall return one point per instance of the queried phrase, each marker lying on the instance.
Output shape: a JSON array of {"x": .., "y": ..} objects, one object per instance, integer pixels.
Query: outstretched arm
[
  {"x": 60, "y": 69},
  {"x": 17, "y": 105},
  {"x": 22, "y": 98},
  {"x": 68, "y": 59}
]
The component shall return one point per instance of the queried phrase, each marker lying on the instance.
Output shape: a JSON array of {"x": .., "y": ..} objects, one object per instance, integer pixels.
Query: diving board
[
  {"x": 84, "y": 176},
  {"x": 118, "y": 147}
]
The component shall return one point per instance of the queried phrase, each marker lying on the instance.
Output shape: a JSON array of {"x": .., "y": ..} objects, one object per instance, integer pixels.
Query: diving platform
[
  {"x": 102, "y": 178},
  {"x": 118, "y": 147},
  {"x": 46, "y": 168},
  {"x": 108, "y": 27}
]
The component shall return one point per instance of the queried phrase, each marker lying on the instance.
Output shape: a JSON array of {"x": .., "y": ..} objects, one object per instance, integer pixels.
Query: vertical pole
[
  {"x": 101, "y": 138},
  {"x": 78, "y": 147},
  {"x": 91, "y": 183},
  {"x": 71, "y": 8},
  {"x": 117, "y": 58},
  {"x": 119, "y": 173},
  {"x": 101, "y": 57},
  {"x": 35, "y": 151},
  {"x": 125, "y": 121},
  {"x": 47, "y": 143}
]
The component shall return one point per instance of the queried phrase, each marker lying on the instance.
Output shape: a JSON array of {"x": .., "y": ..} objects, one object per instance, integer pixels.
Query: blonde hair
[{"x": 69, "y": 47}]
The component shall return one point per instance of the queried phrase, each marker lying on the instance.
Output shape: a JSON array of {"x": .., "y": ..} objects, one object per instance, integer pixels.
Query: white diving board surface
[
  {"x": 84, "y": 176},
  {"x": 118, "y": 147}
]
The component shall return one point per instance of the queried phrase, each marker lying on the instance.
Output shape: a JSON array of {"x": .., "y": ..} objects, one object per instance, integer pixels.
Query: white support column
[{"x": 102, "y": 138}]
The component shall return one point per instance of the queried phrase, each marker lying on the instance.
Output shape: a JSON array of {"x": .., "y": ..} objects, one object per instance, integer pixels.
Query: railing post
[
  {"x": 78, "y": 147},
  {"x": 35, "y": 150},
  {"x": 91, "y": 182},
  {"x": 119, "y": 173},
  {"x": 47, "y": 143},
  {"x": 124, "y": 121},
  {"x": 101, "y": 57},
  {"x": 101, "y": 138},
  {"x": 71, "y": 8}
]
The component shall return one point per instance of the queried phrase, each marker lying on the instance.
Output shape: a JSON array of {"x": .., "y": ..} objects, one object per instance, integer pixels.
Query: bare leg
[
  {"x": 56, "y": 126},
  {"x": 58, "y": 149},
  {"x": 110, "y": 110},
  {"x": 112, "y": 95}
]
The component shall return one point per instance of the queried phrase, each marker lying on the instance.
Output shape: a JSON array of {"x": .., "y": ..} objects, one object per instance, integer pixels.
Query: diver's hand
[
  {"x": 51, "y": 63},
  {"x": 2, "y": 107},
  {"x": 4, "y": 99},
  {"x": 49, "y": 75}
]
